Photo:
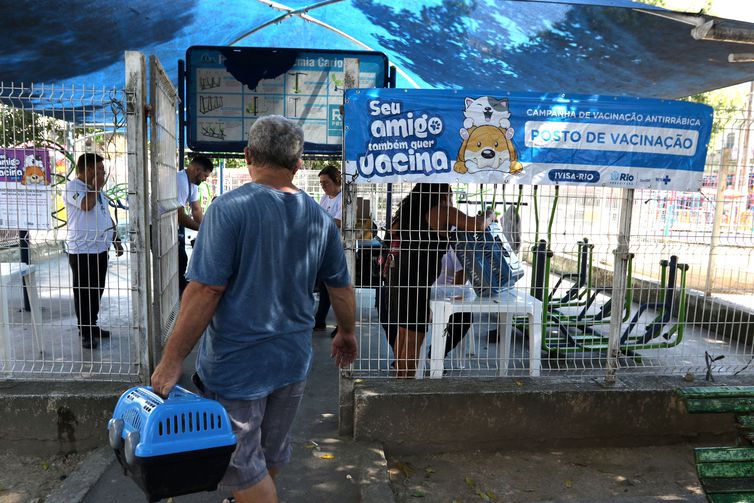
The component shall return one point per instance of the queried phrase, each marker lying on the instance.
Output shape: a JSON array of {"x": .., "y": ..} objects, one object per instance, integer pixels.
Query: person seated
[{"x": 420, "y": 228}]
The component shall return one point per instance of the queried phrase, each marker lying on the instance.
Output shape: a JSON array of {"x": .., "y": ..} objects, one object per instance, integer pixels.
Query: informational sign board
[
  {"x": 228, "y": 88},
  {"x": 452, "y": 136},
  {"x": 25, "y": 194}
]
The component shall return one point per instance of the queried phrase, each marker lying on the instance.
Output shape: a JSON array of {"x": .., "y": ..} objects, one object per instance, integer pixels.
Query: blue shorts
[{"x": 261, "y": 427}]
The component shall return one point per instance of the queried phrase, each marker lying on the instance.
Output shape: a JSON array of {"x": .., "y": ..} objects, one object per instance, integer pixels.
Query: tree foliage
[{"x": 18, "y": 126}]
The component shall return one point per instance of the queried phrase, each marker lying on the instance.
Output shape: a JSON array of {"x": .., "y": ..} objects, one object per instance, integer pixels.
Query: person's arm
[
  {"x": 444, "y": 217},
  {"x": 197, "y": 308},
  {"x": 196, "y": 212},
  {"x": 186, "y": 221},
  {"x": 90, "y": 200},
  {"x": 333, "y": 272},
  {"x": 344, "y": 345},
  {"x": 84, "y": 199}
]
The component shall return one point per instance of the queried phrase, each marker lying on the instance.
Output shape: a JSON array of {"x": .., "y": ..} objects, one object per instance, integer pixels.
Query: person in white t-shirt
[
  {"x": 189, "y": 180},
  {"x": 91, "y": 230},
  {"x": 332, "y": 203},
  {"x": 332, "y": 199}
]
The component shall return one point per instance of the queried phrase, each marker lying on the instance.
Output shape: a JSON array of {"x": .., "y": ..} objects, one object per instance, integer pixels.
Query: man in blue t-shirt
[{"x": 260, "y": 250}]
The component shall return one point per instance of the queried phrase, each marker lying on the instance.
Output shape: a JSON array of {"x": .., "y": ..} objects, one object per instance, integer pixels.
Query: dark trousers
[
  {"x": 89, "y": 273},
  {"x": 457, "y": 327},
  {"x": 320, "y": 318},
  {"x": 182, "y": 263}
]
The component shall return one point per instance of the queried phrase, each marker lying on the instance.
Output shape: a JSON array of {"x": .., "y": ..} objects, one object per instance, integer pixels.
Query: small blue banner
[{"x": 407, "y": 135}]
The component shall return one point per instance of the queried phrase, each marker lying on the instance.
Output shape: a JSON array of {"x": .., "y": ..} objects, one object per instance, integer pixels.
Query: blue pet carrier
[
  {"x": 488, "y": 261},
  {"x": 171, "y": 447}
]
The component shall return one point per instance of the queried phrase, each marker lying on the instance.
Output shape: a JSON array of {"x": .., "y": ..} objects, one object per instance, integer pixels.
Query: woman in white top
[
  {"x": 332, "y": 203},
  {"x": 332, "y": 199}
]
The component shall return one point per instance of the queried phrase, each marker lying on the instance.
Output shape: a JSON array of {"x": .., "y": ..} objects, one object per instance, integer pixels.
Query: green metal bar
[
  {"x": 536, "y": 238},
  {"x": 722, "y": 469},
  {"x": 745, "y": 422},
  {"x": 720, "y": 405},
  {"x": 723, "y": 454},
  {"x": 546, "y": 289},
  {"x": 735, "y": 497},
  {"x": 552, "y": 215},
  {"x": 663, "y": 274},
  {"x": 717, "y": 392}
]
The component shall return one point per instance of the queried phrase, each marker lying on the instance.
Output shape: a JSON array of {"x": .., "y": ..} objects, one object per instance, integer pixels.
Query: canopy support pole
[{"x": 619, "y": 284}]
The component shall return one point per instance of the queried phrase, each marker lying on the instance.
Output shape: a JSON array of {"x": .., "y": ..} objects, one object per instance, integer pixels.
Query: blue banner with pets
[{"x": 408, "y": 135}]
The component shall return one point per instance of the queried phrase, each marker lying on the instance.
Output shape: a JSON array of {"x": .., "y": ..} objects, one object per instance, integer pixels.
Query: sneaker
[
  {"x": 334, "y": 332},
  {"x": 89, "y": 343},
  {"x": 105, "y": 334},
  {"x": 320, "y": 326}
]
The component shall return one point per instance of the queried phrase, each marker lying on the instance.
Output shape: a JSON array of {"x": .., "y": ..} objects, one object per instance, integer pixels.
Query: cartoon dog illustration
[
  {"x": 34, "y": 172},
  {"x": 485, "y": 111},
  {"x": 488, "y": 148}
]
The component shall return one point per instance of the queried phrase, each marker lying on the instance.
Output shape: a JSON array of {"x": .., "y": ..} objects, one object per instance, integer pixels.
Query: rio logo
[{"x": 621, "y": 177}]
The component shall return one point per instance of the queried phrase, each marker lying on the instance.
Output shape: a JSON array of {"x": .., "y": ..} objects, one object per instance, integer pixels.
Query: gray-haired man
[{"x": 260, "y": 250}]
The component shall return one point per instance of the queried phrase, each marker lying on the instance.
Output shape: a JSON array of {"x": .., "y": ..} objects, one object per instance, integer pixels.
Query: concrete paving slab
[
  {"x": 580, "y": 475},
  {"x": 356, "y": 471}
]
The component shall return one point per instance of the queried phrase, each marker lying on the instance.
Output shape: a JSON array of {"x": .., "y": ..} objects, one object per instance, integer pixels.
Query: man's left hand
[
  {"x": 166, "y": 376},
  {"x": 119, "y": 248},
  {"x": 344, "y": 348}
]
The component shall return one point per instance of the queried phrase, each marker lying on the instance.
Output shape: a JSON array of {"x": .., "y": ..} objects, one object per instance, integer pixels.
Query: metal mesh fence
[
  {"x": 164, "y": 199},
  {"x": 65, "y": 292},
  {"x": 307, "y": 179},
  {"x": 688, "y": 288}
]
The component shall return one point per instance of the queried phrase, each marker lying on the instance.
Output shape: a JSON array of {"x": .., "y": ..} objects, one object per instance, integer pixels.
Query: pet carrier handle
[
  {"x": 176, "y": 392},
  {"x": 179, "y": 392}
]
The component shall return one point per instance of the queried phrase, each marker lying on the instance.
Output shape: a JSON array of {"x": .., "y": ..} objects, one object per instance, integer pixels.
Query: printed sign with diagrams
[
  {"x": 229, "y": 88},
  {"x": 26, "y": 197}
]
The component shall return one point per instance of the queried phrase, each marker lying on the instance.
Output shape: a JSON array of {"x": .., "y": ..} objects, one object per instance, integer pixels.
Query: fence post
[
  {"x": 348, "y": 226},
  {"x": 722, "y": 183},
  {"x": 619, "y": 284},
  {"x": 138, "y": 196}
]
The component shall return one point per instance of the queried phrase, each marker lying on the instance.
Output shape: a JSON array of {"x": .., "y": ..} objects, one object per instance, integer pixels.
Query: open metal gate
[{"x": 163, "y": 197}]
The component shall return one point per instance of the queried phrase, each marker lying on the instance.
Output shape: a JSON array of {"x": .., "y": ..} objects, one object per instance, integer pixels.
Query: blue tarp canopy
[{"x": 609, "y": 47}]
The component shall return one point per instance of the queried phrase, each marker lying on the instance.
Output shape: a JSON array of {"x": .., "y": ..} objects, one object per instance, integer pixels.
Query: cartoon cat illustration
[
  {"x": 485, "y": 111},
  {"x": 34, "y": 172},
  {"x": 488, "y": 148}
]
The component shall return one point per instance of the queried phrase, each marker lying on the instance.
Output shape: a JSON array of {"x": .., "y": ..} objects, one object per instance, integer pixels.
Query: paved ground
[
  {"x": 311, "y": 476},
  {"x": 61, "y": 354},
  {"x": 641, "y": 475},
  {"x": 647, "y": 474}
]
